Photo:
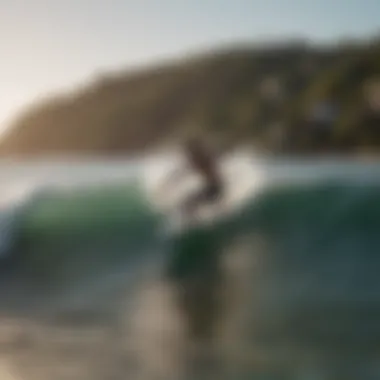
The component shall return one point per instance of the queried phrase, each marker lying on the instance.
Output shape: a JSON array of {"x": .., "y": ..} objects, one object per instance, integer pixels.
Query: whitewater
[{"x": 100, "y": 281}]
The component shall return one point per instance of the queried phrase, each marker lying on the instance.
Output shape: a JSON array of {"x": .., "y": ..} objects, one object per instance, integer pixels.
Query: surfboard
[{"x": 240, "y": 176}]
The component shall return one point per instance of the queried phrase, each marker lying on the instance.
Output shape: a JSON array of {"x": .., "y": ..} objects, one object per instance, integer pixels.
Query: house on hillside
[{"x": 323, "y": 113}]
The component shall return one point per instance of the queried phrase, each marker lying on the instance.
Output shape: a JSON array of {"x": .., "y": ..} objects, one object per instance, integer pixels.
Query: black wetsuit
[{"x": 203, "y": 164}]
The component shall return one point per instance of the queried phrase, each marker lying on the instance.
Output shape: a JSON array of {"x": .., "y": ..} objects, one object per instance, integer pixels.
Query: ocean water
[{"x": 284, "y": 284}]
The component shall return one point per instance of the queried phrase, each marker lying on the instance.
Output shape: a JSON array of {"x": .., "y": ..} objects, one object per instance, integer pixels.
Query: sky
[{"x": 48, "y": 46}]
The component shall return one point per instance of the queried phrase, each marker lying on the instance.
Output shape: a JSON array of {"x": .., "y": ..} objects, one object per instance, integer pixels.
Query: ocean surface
[{"x": 97, "y": 284}]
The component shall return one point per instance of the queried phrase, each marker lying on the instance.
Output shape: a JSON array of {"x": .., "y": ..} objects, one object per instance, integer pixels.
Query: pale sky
[{"x": 50, "y": 45}]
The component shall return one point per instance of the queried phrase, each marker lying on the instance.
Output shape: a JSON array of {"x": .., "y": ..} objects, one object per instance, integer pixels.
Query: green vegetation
[{"x": 261, "y": 96}]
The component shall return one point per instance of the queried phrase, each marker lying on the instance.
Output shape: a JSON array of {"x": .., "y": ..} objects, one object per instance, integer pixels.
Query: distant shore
[{"x": 290, "y": 98}]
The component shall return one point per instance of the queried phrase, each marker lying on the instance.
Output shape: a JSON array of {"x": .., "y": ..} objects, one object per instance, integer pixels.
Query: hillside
[{"x": 267, "y": 97}]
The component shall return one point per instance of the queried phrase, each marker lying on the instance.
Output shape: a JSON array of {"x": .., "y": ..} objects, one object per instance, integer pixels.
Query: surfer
[{"x": 201, "y": 161}]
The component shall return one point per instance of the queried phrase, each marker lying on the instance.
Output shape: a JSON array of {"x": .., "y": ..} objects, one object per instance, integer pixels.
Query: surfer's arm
[{"x": 173, "y": 177}]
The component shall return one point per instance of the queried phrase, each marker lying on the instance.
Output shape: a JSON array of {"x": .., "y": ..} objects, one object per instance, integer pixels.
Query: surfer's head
[{"x": 193, "y": 143}]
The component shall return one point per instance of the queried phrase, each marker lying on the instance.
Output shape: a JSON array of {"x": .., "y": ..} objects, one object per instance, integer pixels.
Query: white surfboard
[{"x": 241, "y": 179}]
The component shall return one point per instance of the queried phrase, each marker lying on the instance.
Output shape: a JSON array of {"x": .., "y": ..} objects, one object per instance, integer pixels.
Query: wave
[
  {"x": 315, "y": 283},
  {"x": 53, "y": 225}
]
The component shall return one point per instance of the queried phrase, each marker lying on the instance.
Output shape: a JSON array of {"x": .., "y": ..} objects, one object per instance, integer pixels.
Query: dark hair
[{"x": 193, "y": 143}]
